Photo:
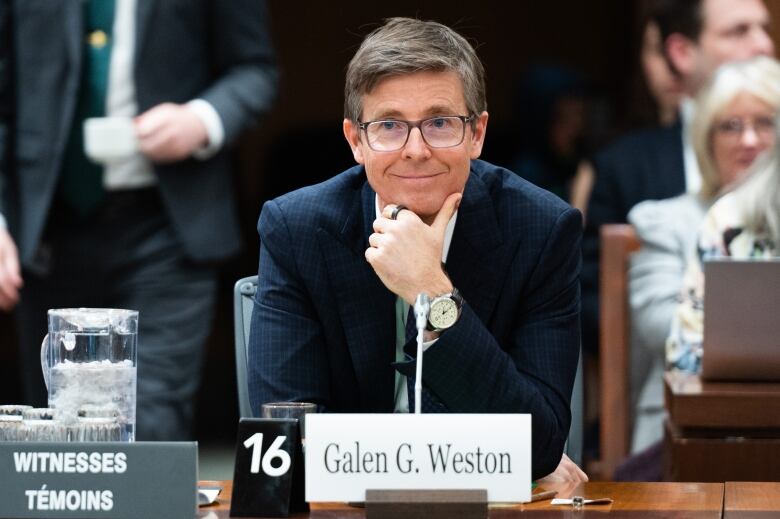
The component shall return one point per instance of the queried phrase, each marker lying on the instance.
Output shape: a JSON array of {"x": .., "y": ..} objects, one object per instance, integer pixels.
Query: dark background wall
[{"x": 315, "y": 41}]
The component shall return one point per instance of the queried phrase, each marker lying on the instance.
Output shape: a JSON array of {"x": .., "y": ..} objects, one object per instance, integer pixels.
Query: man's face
[
  {"x": 417, "y": 175},
  {"x": 731, "y": 30}
]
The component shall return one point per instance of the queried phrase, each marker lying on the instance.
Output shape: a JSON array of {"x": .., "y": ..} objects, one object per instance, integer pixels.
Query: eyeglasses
[
  {"x": 437, "y": 132},
  {"x": 763, "y": 127}
]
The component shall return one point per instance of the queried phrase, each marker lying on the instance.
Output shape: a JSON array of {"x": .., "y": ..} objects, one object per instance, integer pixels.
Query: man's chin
[
  {"x": 424, "y": 204},
  {"x": 426, "y": 211}
]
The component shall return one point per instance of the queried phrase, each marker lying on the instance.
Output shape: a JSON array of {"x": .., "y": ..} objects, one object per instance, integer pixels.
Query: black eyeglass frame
[{"x": 410, "y": 125}]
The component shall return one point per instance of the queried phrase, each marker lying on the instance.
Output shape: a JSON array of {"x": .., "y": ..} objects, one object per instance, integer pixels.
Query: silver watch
[{"x": 445, "y": 311}]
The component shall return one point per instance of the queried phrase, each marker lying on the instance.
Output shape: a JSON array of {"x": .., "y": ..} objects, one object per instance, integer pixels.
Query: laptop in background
[{"x": 741, "y": 320}]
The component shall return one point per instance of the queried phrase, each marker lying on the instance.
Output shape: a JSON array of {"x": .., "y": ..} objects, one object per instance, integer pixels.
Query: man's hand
[
  {"x": 10, "y": 274},
  {"x": 406, "y": 252},
  {"x": 170, "y": 132},
  {"x": 566, "y": 472}
]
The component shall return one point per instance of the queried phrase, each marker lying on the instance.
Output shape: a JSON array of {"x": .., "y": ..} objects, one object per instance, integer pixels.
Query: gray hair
[
  {"x": 758, "y": 76},
  {"x": 758, "y": 196},
  {"x": 404, "y": 46}
]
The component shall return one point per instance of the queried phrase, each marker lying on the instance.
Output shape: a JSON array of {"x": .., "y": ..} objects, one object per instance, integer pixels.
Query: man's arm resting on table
[
  {"x": 533, "y": 370},
  {"x": 566, "y": 471}
]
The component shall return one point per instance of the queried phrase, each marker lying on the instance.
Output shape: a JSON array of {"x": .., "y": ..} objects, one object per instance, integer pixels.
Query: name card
[
  {"x": 347, "y": 454},
  {"x": 113, "y": 480}
]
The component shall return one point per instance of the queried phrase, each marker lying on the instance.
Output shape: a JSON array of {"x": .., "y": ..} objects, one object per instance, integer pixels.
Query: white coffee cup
[{"x": 109, "y": 139}]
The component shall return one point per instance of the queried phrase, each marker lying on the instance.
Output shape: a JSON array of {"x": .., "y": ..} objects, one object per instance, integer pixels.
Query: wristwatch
[{"x": 445, "y": 310}]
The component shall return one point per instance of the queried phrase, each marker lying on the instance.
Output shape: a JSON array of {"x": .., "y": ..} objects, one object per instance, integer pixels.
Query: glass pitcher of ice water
[{"x": 89, "y": 359}]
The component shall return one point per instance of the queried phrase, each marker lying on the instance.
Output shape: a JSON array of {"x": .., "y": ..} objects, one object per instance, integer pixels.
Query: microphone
[{"x": 421, "y": 308}]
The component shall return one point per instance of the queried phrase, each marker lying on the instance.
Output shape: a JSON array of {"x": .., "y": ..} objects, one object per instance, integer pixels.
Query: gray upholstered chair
[{"x": 243, "y": 297}]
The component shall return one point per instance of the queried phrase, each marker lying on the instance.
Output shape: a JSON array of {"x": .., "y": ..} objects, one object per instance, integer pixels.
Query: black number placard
[{"x": 266, "y": 453}]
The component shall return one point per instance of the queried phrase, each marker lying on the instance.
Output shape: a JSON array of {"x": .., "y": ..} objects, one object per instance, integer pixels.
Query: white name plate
[{"x": 347, "y": 454}]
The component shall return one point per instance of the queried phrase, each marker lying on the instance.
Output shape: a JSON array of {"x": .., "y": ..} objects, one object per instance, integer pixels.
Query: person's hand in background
[
  {"x": 10, "y": 273},
  {"x": 170, "y": 132}
]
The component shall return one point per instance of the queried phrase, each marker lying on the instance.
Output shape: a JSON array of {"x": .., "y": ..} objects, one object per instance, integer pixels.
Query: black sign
[{"x": 268, "y": 451}]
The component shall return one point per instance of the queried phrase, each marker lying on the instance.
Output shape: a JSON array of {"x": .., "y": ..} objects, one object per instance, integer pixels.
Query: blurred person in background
[
  {"x": 664, "y": 87},
  {"x": 662, "y": 92},
  {"x": 147, "y": 231},
  {"x": 550, "y": 115},
  {"x": 659, "y": 163},
  {"x": 733, "y": 125},
  {"x": 743, "y": 224}
]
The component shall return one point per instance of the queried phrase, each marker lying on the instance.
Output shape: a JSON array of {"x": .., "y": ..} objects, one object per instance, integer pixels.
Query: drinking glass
[
  {"x": 42, "y": 425},
  {"x": 294, "y": 410},
  {"x": 11, "y": 426}
]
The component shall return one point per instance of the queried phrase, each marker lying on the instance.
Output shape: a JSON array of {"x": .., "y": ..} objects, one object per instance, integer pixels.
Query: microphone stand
[
  {"x": 471, "y": 504},
  {"x": 421, "y": 308}
]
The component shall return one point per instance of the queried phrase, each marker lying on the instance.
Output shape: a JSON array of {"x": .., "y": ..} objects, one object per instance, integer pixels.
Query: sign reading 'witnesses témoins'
[
  {"x": 349, "y": 454},
  {"x": 100, "y": 480}
]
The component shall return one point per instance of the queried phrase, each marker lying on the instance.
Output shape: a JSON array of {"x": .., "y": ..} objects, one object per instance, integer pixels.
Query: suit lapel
[
  {"x": 72, "y": 16},
  {"x": 73, "y": 13},
  {"x": 677, "y": 158},
  {"x": 365, "y": 306},
  {"x": 471, "y": 262},
  {"x": 144, "y": 11}
]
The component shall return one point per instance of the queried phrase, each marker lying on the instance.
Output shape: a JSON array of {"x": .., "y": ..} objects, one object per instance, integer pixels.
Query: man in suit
[
  {"x": 145, "y": 231},
  {"x": 341, "y": 262},
  {"x": 658, "y": 163}
]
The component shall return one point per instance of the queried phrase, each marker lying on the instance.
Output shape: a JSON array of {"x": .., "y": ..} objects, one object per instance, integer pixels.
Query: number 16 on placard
[{"x": 255, "y": 442}]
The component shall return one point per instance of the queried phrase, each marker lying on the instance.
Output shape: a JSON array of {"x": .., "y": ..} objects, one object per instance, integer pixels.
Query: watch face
[{"x": 444, "y": 313}]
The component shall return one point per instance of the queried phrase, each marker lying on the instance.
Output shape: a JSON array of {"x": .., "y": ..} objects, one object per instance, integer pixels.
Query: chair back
[
  {"x": 574, "y": 442},
  {"x": 243, "y": 302},
  {"x": 618, "y": 241}
]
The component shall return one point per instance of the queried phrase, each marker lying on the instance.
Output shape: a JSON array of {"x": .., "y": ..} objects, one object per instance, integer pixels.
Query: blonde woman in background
[
  {"x": 734, "y": 124},
  {"x": 743, "y": 224}
]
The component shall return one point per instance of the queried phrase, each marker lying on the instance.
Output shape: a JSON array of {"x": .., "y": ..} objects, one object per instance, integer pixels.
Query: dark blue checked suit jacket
[{"x": 323, "y": 326}]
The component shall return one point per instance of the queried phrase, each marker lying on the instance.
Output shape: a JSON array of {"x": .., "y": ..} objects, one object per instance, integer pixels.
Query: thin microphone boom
[{"x": 421, "y": 308}]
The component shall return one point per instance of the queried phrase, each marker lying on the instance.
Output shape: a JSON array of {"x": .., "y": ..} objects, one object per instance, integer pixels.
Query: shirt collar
[
  {"x": 687, "y": 111},
  {"x": 690, "y": 163}
]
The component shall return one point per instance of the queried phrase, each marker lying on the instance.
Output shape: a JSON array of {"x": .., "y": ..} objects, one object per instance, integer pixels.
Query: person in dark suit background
[
  {"x": 659, "y": 162},
  {"x": 341, "y": 262},
  {"x": 551, "y": 114},
  {"x": 145, "y": 232}
]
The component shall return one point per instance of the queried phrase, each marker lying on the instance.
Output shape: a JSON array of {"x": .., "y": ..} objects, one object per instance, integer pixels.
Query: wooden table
[
  {"x": 751, "y": 500},
  {"x": 720, "y": 431},
  {"x": 635, "y": 500}
]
